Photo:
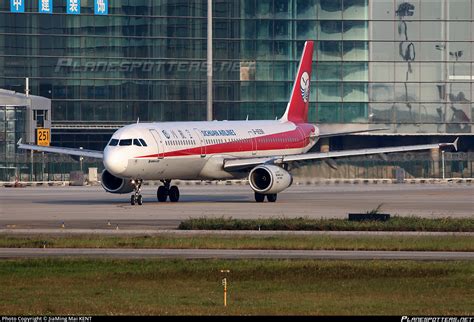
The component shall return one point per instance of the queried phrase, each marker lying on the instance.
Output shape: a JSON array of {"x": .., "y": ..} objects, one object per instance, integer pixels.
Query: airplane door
[
  {"x": 253, "y": 139},
  {"x": 200, "y": 142},
  {"x": 159, "y": 143}
]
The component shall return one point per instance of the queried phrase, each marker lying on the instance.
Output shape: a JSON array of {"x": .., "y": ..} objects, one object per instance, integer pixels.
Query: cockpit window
[
  {"x": 136, "y": 142},
  {"x": 143, "y": 142},
  {"x": 113, "y": 142},
  {"x": 125, "y": 142}
]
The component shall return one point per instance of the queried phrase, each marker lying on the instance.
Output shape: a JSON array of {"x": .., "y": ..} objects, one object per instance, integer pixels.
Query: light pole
[
  {"x": 442, "y": 163},
  {"x": 80, "y": 159},
  {"x": 209, "y": 61},
  {"x": 456, "y": 55},
  {"x": 27, "y": 93}
]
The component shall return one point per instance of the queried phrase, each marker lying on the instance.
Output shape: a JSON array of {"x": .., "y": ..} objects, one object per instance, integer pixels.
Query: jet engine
[
  {"x": 269, "y": 179},
  {"x": 115, "y": 184}
]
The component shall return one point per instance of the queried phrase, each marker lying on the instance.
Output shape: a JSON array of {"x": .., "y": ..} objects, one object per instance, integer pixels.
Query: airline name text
[{"x": 218, "y": 133}]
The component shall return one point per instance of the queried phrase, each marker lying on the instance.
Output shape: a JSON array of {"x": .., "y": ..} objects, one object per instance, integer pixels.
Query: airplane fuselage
[{"x": 197, "y": 150}]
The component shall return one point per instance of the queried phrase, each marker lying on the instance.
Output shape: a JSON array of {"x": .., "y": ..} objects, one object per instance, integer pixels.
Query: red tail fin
[{"x": 297, "y": 109}]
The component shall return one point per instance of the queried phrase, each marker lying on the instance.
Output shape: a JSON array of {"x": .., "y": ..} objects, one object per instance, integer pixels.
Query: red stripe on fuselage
[{"x": 277, "y": 141}]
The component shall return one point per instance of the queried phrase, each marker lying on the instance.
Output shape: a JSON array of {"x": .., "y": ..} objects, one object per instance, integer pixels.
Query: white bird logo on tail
[{"x": 304, "y": 86}]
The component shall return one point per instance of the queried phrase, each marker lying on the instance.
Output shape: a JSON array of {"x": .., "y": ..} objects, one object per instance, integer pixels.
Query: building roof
[{"x": 12, "y": 98}]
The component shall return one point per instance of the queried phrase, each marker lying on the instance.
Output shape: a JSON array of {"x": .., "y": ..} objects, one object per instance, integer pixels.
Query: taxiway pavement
[
  {"x": 91, "y": 207},
  {"x": 232, "y": 254}
]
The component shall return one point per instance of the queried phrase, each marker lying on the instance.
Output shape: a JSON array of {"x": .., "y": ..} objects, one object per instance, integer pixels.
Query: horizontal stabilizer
[{"x": 332, "y": 134}]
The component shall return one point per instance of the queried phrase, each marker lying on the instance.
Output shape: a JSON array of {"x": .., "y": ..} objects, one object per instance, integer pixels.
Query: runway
[
  {"x": 92, "y": 207},
  {"x": 232, "y": 254}
]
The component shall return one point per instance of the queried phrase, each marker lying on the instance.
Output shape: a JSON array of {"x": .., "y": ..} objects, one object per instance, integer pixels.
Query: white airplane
[{"x": 263, "y": 151}]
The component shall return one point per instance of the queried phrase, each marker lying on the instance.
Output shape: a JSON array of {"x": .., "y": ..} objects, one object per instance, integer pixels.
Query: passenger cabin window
[
  {"x": 125, "y": 142},
  {"x": 113, "y": 142},
  {"x": 143, "y": 142},
  {"x": 136, "y": 142}
]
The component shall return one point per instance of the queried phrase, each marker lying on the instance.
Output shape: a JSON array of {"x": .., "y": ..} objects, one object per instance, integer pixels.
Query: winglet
[
  {"x": 19, "y": 141},
  {"x": 455, "y": 143}
]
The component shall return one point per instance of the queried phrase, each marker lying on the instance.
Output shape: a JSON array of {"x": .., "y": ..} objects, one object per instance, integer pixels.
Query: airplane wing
[
  {"x": 240, "y": 164},
  {"x": 69, "y": 151}
]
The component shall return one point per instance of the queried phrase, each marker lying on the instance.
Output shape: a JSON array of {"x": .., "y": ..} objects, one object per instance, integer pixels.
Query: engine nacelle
[
  {"x": 269, "y": 179},
  {"x": 115, "y": 184}
]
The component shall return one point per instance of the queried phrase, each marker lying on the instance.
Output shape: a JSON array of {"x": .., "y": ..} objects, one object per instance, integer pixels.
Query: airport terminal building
[{"x": 404, "y": 65}]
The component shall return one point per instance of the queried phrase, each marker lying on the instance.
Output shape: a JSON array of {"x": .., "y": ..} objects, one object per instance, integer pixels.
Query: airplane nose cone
[{"x": 114, "y": 162}]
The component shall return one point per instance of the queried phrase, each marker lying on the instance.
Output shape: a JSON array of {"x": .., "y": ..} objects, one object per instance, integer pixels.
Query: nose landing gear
[{"x": 136, "y": 198}]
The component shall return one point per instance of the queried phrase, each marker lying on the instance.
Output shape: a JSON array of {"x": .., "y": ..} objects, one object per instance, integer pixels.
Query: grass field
[
  {"x": 256, "y": 287},
  {"x": 315, "y": 242},
  {"x": 193, "y": 287},
  {"x": 395, "y": 223}
]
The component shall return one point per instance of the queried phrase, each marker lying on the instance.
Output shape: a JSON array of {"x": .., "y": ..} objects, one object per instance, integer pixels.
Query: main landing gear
[
  {"x": 166, "y": 191},
  {"x": 136, "y": 198},
  {"x": 260, "y": 197}
]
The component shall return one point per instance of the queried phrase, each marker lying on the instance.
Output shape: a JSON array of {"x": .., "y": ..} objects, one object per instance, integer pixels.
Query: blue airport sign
[
  {"x": 101, "y": 7},
  {"x": 17, "y": 5},
  {"x": 45, "y": 6},
  {"x": 73, "y": 7}
]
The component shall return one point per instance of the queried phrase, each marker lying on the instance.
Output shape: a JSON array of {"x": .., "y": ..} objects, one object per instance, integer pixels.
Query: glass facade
[
  {"x": 421, "y": 75},
  {"x": 407, "y": 65},
  {"x": 12, "y": 128}
]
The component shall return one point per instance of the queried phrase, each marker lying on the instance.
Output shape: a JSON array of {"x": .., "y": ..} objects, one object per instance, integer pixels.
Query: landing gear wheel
[
  {"x": 272, "y": 197},
  {"x": 162, "y": 194},
  {"x": 136, "y": 198},
  {"x": 174, "y": 194},
  {"x": 259, "y": 197}
]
